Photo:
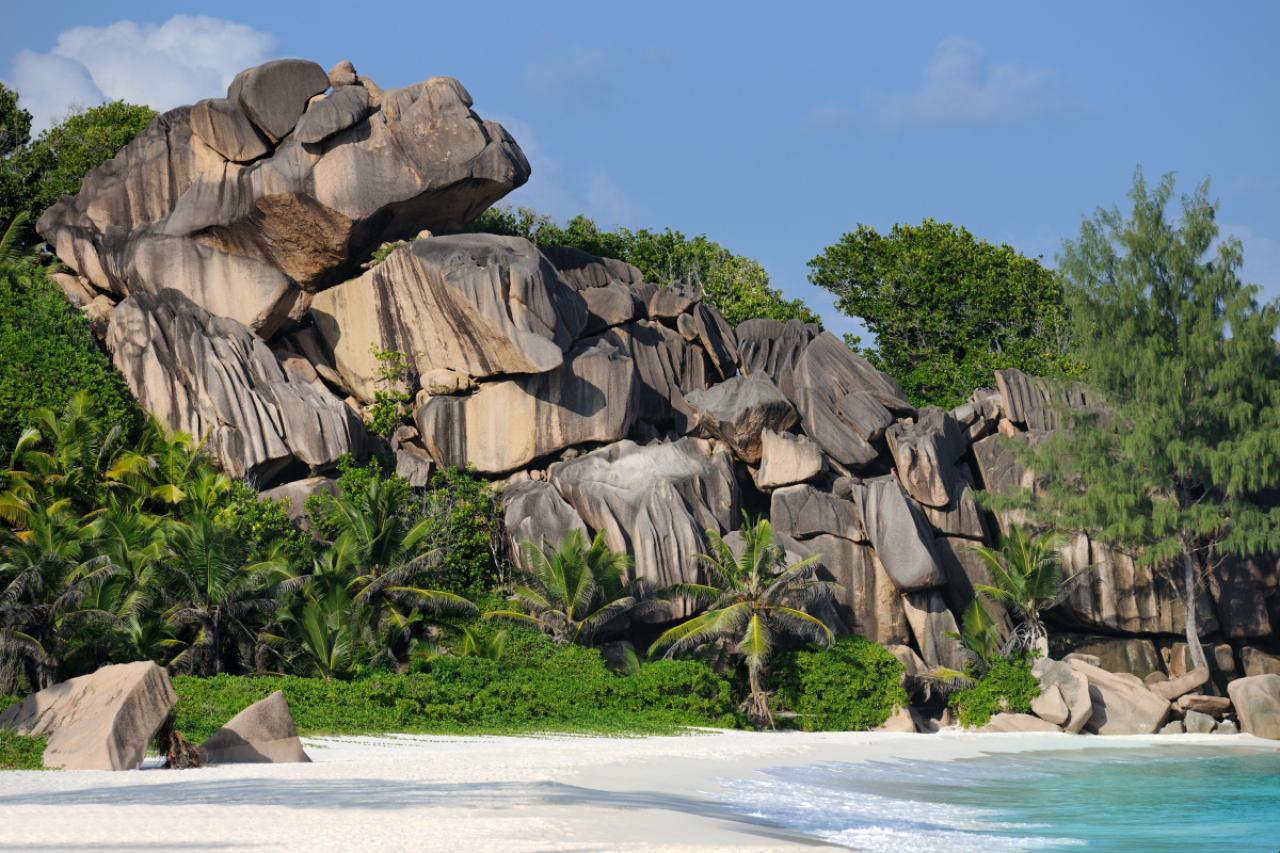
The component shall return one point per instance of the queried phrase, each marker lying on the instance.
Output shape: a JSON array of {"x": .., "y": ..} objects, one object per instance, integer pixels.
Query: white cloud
[
  {"x": 961, "y": 87},
  {"x": 182, "y": 60}
]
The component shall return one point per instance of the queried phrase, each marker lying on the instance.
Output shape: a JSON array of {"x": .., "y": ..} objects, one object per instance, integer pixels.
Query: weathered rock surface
[
  {"x": 101, "y": 721},
  {"x": 345, "y": 107},
  {"x": 668, "y": 368},
  {"x": 925, "y": 454},
  {"x": 654, "y": 502},
  {"x": 933, "y": 625},
  {"x": 1018, "y": 723},
  {"x": 785, "y": 459},
  {"x": 1071, "y": 685},
  {"x": 1134, "y": 655},
  {"x": 804, "y": 511},
  {"x": 899, "y": 722},
  {"x": 738, "y": 410},
  {"x": 1173, "y": 727},
  {"x": 1034, "y": 402},
  {"x": 1050, "y": 706},
  {"x": 211, "y": 377},
  {"x": 773, "y": 349},
  {"x": 900, "y": 536},
  {"x": 1175, "y": 687},
  {"x": 1257, "y": 702},
  {"x": 533, "y": 511},
  {"x": 609, "y": 305},
  {"x": 1122, "y": 705},
  {"x": 476, "y": 304},
  {"x": 263, "y": 733},
  {"x": 172, "y": 210},
  {"x": 583, "y": 271},
  {"x": 1258, "y": 662},
  {"x": 1196, "y": 723},
  {"x": 297, "y": 492},
  {"x": 1214, "y": 706},
  {"x": 869, "y": 604},
  {"x": 507, "y": 424}
]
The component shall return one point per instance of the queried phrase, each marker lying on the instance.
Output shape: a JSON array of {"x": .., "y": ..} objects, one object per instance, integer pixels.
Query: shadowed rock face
[
  {"x": 182, "y": 207},
  {"x": 263, "y": 733},
  {"x": 211, "y": 377}
]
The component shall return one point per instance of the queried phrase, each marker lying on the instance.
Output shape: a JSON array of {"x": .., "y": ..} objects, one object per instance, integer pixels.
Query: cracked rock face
[{"x": 224, "y": 202}]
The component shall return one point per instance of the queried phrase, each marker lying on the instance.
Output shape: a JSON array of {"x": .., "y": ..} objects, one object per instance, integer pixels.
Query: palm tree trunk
[
  {"x": 759, "y": 706},
  {"x": 1194, "y": 649}
]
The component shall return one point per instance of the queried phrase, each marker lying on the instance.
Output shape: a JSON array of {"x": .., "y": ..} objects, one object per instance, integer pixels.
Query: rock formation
[
  {"x": 220, "y": 256},
  {"x": 263, "y": 733}
]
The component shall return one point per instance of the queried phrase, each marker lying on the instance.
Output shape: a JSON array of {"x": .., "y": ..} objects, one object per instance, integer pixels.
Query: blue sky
[{"x": 772, "y": 132}]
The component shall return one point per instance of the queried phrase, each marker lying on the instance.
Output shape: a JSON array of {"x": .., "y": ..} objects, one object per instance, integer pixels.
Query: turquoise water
[{"x": 1131, "y": 799}]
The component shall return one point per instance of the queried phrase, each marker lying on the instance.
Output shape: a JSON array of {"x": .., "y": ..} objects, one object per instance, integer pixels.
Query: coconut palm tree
[
  {"x": 754, "y": 597},
  {"x": 1026, "y": 577},
  {"x": 575, "y": 590}
]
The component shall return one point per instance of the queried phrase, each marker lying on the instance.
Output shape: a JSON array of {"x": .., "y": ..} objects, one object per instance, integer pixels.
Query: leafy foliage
[
  {"x": 1182, "y": 460},
  {"x": 20, "y": 752},
  {"x": 946, "y": 309},
  {"x": 1007, "y": 685},
  {"x": 34, "y": 174},
  {"x": 536, "y": 687},
  {"x": 852, "y": 686},
  {"x": 754, "y": 598},
  {"x": 1026, "y": 577},
  {"x": 736, "y": 285},
  {"x": 391, "y": 399}
]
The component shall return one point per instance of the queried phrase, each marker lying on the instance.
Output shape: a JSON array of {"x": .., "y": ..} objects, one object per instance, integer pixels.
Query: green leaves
[
  {"x": 852, "y": 686},
  {"x": 947, "y": 309}
]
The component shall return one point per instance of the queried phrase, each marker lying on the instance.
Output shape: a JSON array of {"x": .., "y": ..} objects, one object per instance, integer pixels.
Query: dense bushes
[
  {"x": 47, "y": 353},
  {"x": 539, "y": 687},
  {"x": 852, "y": 686},
  {"x": 18, "y": 752},
  {"x": 1007, "y": 685}
]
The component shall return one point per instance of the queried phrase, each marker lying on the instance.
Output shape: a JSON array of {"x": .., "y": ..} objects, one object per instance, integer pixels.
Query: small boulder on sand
[{"x": 263, "y": 733}]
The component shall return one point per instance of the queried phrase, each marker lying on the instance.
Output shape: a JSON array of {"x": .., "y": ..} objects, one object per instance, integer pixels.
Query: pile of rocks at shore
[{"x": 220, "y": 257}]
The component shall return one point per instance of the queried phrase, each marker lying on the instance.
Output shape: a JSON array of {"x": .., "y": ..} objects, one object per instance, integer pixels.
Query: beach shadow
[{"x": 391, "y": 795}]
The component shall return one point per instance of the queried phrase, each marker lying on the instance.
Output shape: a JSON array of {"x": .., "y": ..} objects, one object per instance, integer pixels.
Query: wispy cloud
[
  {"x": 184, "y": 59},
  {"x": 579, "y": 82}
]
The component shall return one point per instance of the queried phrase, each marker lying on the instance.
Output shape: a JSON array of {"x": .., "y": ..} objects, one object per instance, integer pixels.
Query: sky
[{"x": 772, "y": 131}]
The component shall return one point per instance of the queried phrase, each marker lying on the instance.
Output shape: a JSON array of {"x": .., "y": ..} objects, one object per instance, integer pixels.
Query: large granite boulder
[
  {"x": 868, "y": 603},
  {"x": 477, "y": 304},
  {"x": 327, "y": 116},
  {"x": 1133, "y": 655},
  {"x": 180, "y": 208},
  {"x": 533, "y": 511},
  {"x": 925, "y": 454},
  {"x": 786, "y": 458},
  {"x": 772, "y": 348},
  {"x": 263, "y": 733},
  {"x": 900, "y": 535},
  {"x": 101, "y": 721},
  {"x": 668, "y": 368},
  {"x": 804, "y": 511},
  {"x": 1036, "y": 403},
  {"x": 1071, "y": 686},
  {"x": 1257, "y": 702},
  {"x": 654, "y": 502},
  {"x": 1258, "y": 662},
  {"x": 1122, "y": 704},
  {"x": 583, "y": 271},
  {"x": 1007, "y": 723},
  {"x": 504, "y": 425},
  {"x": 738, "y": 410},
  {"x": 212, "y": 378},
  {"x": 934, "y": 628}
]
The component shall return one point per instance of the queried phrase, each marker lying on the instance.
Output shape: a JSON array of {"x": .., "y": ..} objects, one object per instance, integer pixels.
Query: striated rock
[
  {"x": 900, "y": 536},
  {"x": 1050, "y": 706},
  {"x": 933, "y": 627},
  {"x": 1175, "y": 687},
  {"x": 1258, "y": 662},
  {"x": 1196, "y": 723},
  {"x": 1214, "y": 706},
  {"x": 609, "y": 305},
  {"x": 101, "y": 721},
  {"x": 737, "y": 410},
  {"x": 583, "y": 271},
  {"x": 507, "y": 424},
  {"x": 717, "y": 339},
  {"x": 297, "y": 492},
  {"x": 533, "y": 511},
  {"x": 211, "y": 377},
  {"x": 1240, "y": 589},
  {"x": 960, "y": 516},
  {"x": 1037, "y": 403},
  {"x": 786, "y": 458},
  {"x": 869, "y": 605},
  {"x": 414, "y": 464},
  {"x": 476, "y": 304},
  {"x": 773, "y": 349},
  {"x": 244, "y": 241},
  {"x": 1131, "y": 655},
  {"x": 1007, "y": 723},
  {"x": 1071, "y": 685},
  {"x": 223, "y": 126},
  {"x": 274, "y": 94},
  {"x": 1122, "y": 705},
  {"x": 263, "y": 733},
  {"x": 912, "y": 664},
  {"x": 1257, "y": 702},
  {"x": 668, "y": 303},
  {"x": 803, "y": 512},
  {"x": 654, "y": 502},
  {"x": 343, "y": 108},
  {"x": 668, "y": 368},
  {"x": 845, "y": 404},
  {"x": 925, "y": 454}
]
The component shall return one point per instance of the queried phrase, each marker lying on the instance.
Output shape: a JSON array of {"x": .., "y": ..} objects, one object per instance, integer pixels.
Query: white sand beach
[{"x": 473, "y": 793}]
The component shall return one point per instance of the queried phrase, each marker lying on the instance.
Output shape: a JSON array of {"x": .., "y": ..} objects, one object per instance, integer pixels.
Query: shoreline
[{"x": 548, "y": 792}]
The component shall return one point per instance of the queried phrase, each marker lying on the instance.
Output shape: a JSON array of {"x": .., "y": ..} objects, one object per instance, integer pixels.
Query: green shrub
[
  {"x": 852, "y": 686},
  {"x": 18, "y": 752},
  {"x": 540, "y": 687},
  {"x": 1007, "y": 685},
  {"x": 47, "y": 353}
]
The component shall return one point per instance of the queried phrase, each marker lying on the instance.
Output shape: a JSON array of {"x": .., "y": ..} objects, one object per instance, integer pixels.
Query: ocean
[{"x": 1193, "y": 798}]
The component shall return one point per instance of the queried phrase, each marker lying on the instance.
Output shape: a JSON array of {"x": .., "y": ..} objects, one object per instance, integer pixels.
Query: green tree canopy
[
  {"x": 1185, "y": 451},
  {"x": 738, "y": 286},
  {"x": 36, "y": 173},
  {"x": 946, "y": 308}
]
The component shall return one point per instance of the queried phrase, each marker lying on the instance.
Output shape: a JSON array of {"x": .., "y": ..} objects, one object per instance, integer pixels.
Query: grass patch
[
  {"x": 18, "y": 752},
  {"x": 546, "y": 688}
]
